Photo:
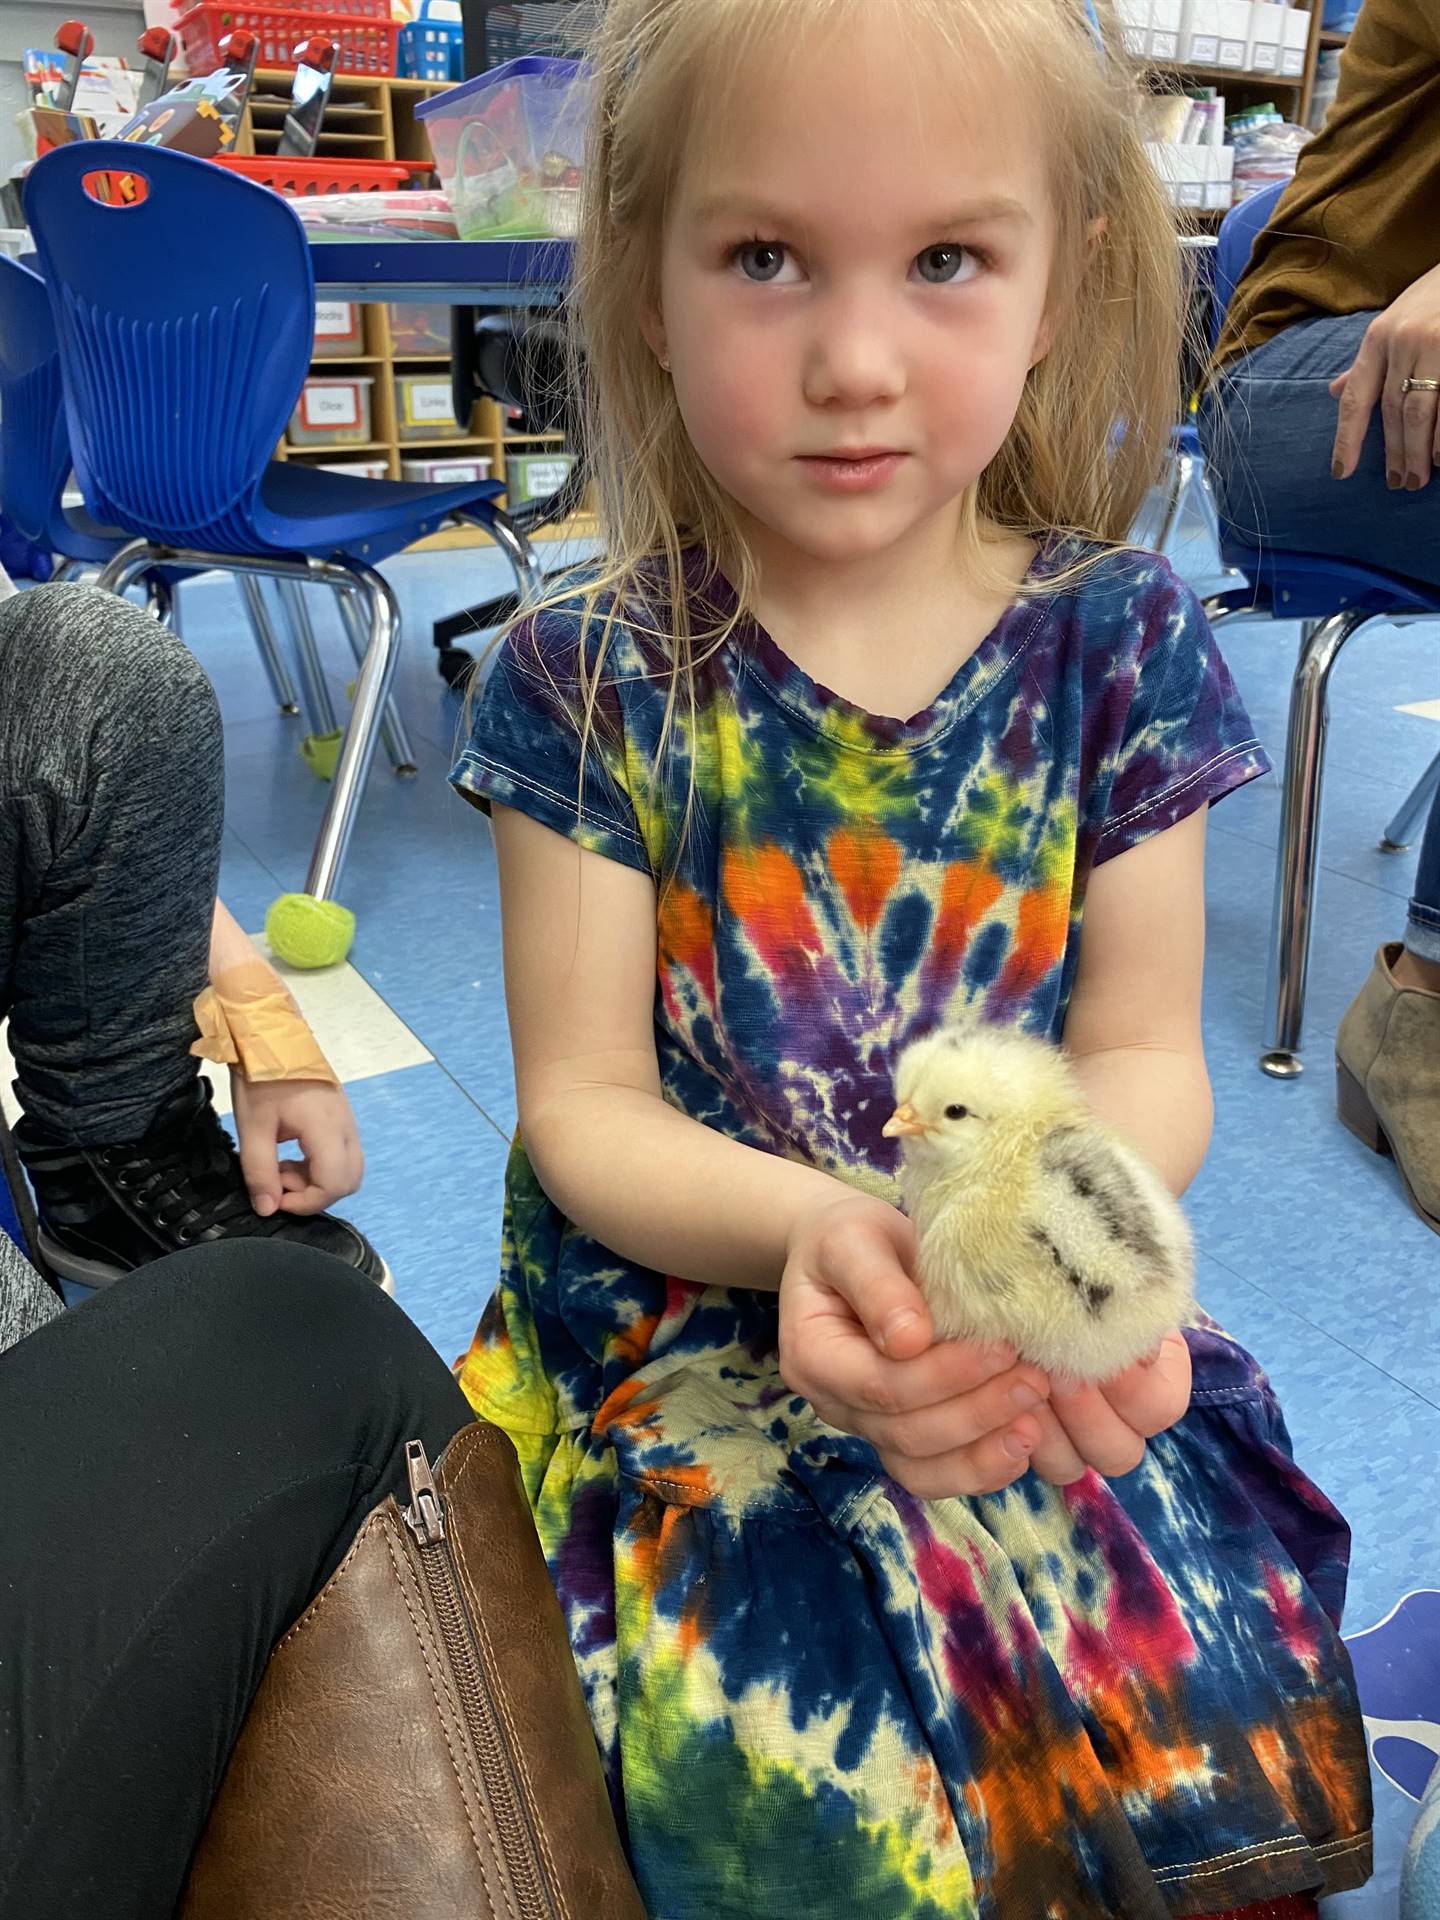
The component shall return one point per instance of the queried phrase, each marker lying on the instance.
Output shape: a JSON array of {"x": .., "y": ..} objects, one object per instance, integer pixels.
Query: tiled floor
[{"x": 1309, "y": 1254}]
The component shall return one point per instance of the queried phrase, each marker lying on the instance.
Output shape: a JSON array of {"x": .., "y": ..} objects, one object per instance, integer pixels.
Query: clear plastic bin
[
  {"x": 424, "y": 408},
  {"x": 338, "y": 331},
  {"x": 451, "y": 470},
  {"x": 333, "y": 412},
  {"x": 510, "y": 147},
  {"x": 535, "y": 476},
  {"x": 417, "y": 327}
]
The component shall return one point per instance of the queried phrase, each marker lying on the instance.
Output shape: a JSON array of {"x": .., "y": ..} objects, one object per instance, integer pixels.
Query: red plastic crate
[
  {"x": 364, "y": 34},
  {"x": 325, "y": 173}
]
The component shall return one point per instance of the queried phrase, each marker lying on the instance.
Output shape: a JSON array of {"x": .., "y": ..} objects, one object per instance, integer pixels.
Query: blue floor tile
[{"x": 431, "y": 1202}]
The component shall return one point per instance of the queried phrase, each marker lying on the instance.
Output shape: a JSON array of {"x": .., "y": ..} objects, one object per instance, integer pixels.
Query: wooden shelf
[
  {"x": 341, "y": 450},
  {"x": 323, "y": 360},
  {"x": 1227, "y": 77},
  {"x": 1334, "y": 36},
  {"x": 531, "y": 439},
  {"x": 441, "y": 440},
  {"x": 420, "y": 359}
]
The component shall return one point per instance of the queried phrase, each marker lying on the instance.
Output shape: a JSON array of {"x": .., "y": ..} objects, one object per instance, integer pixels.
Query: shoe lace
[{"x": 187, "y": 1179}]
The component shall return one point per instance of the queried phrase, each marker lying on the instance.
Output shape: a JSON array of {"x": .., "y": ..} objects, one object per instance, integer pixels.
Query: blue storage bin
[
  {"x": 1340, "y": 15},
  {"x": 431, "y": 48}
]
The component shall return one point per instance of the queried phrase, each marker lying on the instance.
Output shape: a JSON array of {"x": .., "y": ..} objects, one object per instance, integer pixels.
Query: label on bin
[
  {"x": 332, "y": 317},
  {"x": 428, "y": 400},
  {"x": 330, "y": 406}
]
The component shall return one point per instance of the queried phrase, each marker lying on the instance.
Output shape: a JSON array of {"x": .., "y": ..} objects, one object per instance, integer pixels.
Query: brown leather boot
[
  {"x": 1387, "y": 1063},
  {"x": 419, "y": 1748}
]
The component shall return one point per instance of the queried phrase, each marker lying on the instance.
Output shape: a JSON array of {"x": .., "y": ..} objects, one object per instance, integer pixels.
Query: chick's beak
[{"x": 904, "y": 1120}]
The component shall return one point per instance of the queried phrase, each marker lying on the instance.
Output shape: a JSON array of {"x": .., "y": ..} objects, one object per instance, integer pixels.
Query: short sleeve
[
  {"x": 526, "y": 739},
  {"x": 1187, "y": 740}
]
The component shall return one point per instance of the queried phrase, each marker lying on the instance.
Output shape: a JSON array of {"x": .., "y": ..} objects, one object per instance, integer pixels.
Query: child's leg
[
  {"x": 111, "y": 809},
  {"x": 186, "y": 1459}
]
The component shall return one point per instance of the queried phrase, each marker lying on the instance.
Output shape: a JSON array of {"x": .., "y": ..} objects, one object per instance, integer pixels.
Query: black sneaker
[{"x": 106, "y": 1210}]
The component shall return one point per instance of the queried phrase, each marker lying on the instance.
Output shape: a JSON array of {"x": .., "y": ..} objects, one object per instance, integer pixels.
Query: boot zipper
[{"x": 425, "y": 1517}]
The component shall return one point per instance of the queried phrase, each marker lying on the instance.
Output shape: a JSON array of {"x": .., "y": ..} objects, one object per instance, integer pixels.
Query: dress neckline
[{"x": 843, "y": 721}]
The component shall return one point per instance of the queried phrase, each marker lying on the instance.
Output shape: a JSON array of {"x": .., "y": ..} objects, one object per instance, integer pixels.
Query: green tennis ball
[{"x": 309, "y": 933}]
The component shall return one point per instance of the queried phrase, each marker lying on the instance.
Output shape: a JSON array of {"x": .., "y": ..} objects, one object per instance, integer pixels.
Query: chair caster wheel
[
  {"x": 289, "y": 709},
  {"x": 454, "y": 663},
  {"x": 1394, "y": 846},
  {"x": 406, "y": 770}
]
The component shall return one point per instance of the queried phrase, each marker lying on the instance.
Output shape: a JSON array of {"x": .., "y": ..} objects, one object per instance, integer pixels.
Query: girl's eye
[
  {"x": 957, "y": 1113},
  {"x": 944, "y": 265},
  {"x": 764, "y": 261}
]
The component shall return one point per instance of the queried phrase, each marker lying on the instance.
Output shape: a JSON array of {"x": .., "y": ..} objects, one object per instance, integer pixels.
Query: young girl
[{"x": 870, "y": 1624}]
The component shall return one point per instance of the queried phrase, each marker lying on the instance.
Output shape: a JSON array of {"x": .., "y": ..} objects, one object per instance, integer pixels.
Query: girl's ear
[
  {"x": 652, "y": 326},
  {"x": 1045, "y": 336}
]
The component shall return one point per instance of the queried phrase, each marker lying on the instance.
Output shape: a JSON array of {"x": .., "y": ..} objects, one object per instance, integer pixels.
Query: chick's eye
[{"x": 957, "y": 1113}]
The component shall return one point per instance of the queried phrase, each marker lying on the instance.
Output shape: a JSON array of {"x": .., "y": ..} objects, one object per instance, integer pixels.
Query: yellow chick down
[{"x": 1036, "y": 1224}]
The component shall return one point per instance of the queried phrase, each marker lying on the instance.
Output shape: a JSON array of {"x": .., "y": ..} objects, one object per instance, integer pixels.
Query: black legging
[{"x": 183, "y": 1462}]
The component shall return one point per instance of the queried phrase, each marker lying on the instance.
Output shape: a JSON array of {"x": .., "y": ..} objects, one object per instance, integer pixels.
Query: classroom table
[{"x": 452, "y": 273}]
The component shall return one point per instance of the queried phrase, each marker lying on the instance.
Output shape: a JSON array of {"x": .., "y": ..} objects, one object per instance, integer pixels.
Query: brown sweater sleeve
[{"x": 1361, "y": 220}]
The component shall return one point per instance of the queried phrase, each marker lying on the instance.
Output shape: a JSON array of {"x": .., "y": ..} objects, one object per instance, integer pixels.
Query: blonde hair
[{"x": 1094, "y": 414}]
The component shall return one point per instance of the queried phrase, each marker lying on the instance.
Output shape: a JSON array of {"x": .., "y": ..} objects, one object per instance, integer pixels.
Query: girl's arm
[
  {"x": 666, "y": 1192},
  {"x": 646, "y": 1181},
  {"x": 1133, "y": 1029}
]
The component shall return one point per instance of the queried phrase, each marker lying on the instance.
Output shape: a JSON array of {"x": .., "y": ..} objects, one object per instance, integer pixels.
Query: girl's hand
[
  {"x": 857, "y": 1341},
  {"x": 1402, "y": 341},
  {"x": 315, "y": 1114},
  {"x": 1106, "y": 1426}
]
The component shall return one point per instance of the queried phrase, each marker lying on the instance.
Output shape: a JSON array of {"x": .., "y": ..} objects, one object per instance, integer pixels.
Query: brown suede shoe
[{"x": 1387, "y": 1066}]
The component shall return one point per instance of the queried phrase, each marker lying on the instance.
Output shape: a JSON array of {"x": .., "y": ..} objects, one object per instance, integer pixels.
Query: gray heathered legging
[{"x": 111, "y": 809}]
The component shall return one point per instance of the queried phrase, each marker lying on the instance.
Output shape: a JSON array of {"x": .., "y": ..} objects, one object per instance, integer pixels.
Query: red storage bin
[
  {"x": 364, "y": 34},
  {"x": 325, "y": 173}
]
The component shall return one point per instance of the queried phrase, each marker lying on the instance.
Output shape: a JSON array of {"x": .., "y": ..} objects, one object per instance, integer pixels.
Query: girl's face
[{"x": 853, "y": 288}]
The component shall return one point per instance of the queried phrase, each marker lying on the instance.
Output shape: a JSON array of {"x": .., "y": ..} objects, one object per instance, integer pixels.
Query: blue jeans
[{"x": 1268, "y": 430}]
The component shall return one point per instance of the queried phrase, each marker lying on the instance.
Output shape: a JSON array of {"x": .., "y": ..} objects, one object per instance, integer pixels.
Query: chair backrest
[
  {"x": 34, "y": 448},
  {"x": 185, "y": 316},
  {"x": 1239, "y": 231}
]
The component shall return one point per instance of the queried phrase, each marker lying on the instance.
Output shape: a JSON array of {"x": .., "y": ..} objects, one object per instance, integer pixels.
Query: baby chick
[{"x": 1037, "y": 1225}]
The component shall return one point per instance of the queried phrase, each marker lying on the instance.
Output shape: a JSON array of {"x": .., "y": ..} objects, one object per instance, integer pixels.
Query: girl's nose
[{"x": 855, "y": 356}]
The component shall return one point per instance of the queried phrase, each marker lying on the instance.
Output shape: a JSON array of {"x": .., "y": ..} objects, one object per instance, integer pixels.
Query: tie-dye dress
[{"x": 818, "y": 1697}]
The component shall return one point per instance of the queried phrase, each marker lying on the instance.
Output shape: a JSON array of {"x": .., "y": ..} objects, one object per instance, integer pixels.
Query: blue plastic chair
[
  {"x": 35, "y": 462},
  {"x": 1333, "y": 600},
  {"x": 185, "y": 317}
]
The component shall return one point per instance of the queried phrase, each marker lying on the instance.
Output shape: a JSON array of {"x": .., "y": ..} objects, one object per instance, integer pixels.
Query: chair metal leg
[
  {"x": 276, "y": 671},
  {"x": 314, "y": 693},
  {"x": 392, "y": 727},
  {"x": 1179, "y": 481},
  {"x": 1397, "y": 834},
  {"x": 161, "y": 600},
  {"x": 372, "y": 689},
  {"x": 1232, "y": 604},
  {"x": 1298, "y": 856},
  {"x": 519, "y": 550}
]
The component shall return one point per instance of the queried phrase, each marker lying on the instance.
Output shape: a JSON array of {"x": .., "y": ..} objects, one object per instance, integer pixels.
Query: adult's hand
[{"x": 1401, "y": 343}]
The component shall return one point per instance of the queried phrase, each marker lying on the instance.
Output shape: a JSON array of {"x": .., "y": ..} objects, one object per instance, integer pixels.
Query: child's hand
[
  {"x": 856, "y": 1340},
  {"x": 1106, "y": 1426},
  {"x": 315, "y": 1114}
]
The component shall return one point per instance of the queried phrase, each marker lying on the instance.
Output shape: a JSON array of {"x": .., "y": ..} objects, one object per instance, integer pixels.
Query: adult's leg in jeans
[
  {"x": 1268, "y": 431},
  {"x": 111, "y": 810},
  {"x": 1422, "y": 930},
  {"x": 186, "y": 1459}
]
